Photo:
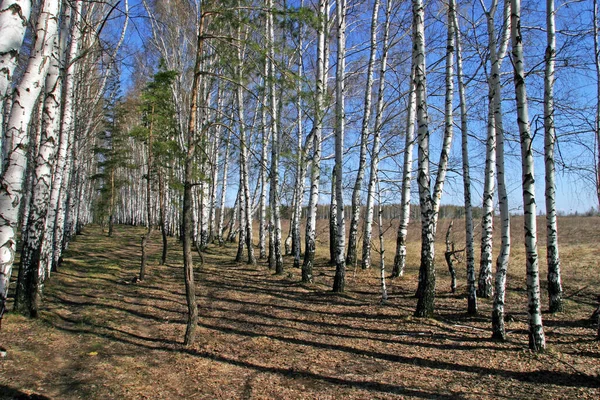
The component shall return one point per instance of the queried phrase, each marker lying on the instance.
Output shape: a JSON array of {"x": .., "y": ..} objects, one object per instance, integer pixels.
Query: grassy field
[{"x": 263, "y": 336}]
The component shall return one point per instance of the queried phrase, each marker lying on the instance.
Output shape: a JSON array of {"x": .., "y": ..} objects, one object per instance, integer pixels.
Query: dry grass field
[{"x": 263, "y": 336}]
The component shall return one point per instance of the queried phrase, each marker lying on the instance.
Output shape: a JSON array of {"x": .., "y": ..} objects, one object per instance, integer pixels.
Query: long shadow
[
  {"x": 539, "y": 377},
  {"x": 8, "y": 393},
  {"x": 285, "y": 372},
  {"x": 396, "y": 333}
]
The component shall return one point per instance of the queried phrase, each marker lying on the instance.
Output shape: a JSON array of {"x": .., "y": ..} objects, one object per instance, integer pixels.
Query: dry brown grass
[{"x": 264, "y": 336}]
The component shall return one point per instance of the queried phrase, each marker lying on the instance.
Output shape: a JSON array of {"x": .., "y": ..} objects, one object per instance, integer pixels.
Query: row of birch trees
[{"x": 240, "y": 114}]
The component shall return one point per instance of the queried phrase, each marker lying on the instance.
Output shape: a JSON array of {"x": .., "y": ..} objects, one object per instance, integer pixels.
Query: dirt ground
[{"x": 262, "y": 336}]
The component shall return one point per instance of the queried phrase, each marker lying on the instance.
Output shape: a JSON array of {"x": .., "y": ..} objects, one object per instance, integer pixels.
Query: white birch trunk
[
  {"x": 262, "y": 216},
  {"x": 65, "y": 137},
  {"x": 364, "y": 136},
  {"x": 275, "y": 147},
  {"x": 537, "y": 341},
  {"x": 409, "y": 143},
  {"x": 224, "y": 188},
  {"x": 384, "y": 294},
  {"x": 438, "y": 188},
  {"x": 32, "y": 270},
  {"x": 368, "y": 232},
  {"x": 494, "y": 122},
  {"x": 552, "y": 258},
  {"x": 11, "y": 180},
  {"x": 469, "y": 250},
  {"x": 340, "y": 121},
  {"x": 425, "y": 303},
  {"x": 315, "y": 174},
  {"x": 300, "y": 166},
  {"x": 14, "y": 17}
]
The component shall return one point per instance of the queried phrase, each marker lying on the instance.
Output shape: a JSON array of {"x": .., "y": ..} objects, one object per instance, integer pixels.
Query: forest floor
[{"x": 263, "y": 336}]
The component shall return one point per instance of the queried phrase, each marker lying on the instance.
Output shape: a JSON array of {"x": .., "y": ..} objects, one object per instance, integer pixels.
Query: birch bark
[
  {"x": 315, "y": 174},
  {"x": 11, "y": 180},
  {"x": 32, "y": 272},
  {"x": 364, "y": 136},
  {"x": 14, "y": 16},
  {"x": 339, "y": 282},
  {"x": 425, "y": 304},
  {"x": 400, "y": 258},
  {"x": 537, "y": 341},
  {"x": 552, "y": 258},
  {"x": 373, "y": 180},
  {"x": 469, "y": 250}
]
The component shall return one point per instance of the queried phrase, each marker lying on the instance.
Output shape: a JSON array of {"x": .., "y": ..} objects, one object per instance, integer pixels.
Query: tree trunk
[
  {"x": 32, "y": 272},
  {"x": 400, "y": 258},
  {"x": 425, "y": 304},
  {"x": 14, "y": 17},
  {"x": 11, "y": 180},
  {"x": 275, "y": 147},
  {"x": 469, "y": 250},
  {"x": 554, "y": 278},
  {"x": 188, "y": 263},
  {"x": 224, "y": 189},
  {"x": 364, "y": 135},
  {"x": 315, "y": 174},
  {"x": 150, "y": 165},
  {"x": 537, "y": 342},
  {"x": 339, "y": 282},
  {"x": 65, "y": 140}
]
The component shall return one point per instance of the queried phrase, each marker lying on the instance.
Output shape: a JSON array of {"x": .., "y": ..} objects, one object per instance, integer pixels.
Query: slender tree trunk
[
  {"x": 14, "y": 17},
  {"x": 65, "y": 138},
  {"x": 333, "y": 219},
  {"x": 275, "y": 147},
  {"x": 469, "y": 250},
  {"x": 32, "y": 272},
  {"x": 373, "y": 180},
  {"x": 188, "y": 263},
  {"x": 537, "y": 341},
  {"x": 224, "y": 189},
  {"x": 438, "y": 187},
  {"x": 245, "y": 230},
  {"x": 11, "y": 180},
  {"x": 400, "y": 258},
  {"x": 150, "y": 165},
  {"x": 262, "y": 223},
  {"x": 315, "y": 174},
  {"x": 162, "y": 208},
  {"x": 300, "y": 168},
  {"x": 425, "y": 304},
  {"x": 496, "y": 126},
  {"x": 554, "y": 278},
  {"x": 364, "y": 135},
  {"x": 384, "y": 294},
  {"x": 339, "y": 282}
]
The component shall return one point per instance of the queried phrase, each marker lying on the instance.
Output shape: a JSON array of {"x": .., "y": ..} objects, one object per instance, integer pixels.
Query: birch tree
[
  {"x": 469, "y": 250},
  {"x": 188, "y": 263},
  {"x": 340, "y": 120},
  {"x": 315, "y": 173},
  {"x": 537, "y": 341},
  {"x": 409, "y": 142},
  {"x": 32, "y": 272},
  {"x": 425, "y": 303},
  {"x": 497, "y": 50},
  {"x": 554, "y": 278},
  {"x": 364, "y": 135},
  {"x": 275, "y": 147},
  {"x": 12, "y": 178},
  {"x": 14, "y": 17},
  {"x": 373, "y": 179}
]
